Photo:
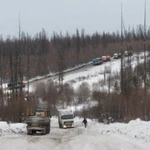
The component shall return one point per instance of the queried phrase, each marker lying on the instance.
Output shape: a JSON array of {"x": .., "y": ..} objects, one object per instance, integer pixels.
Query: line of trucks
[
  {"x": 40, "y": 122},
  {"x": 100, "y": 60}
]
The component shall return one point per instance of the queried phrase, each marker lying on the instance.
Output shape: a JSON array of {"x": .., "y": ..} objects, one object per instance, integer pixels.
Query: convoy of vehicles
[
  {"x": 39, "y": 121},
  {"x": 100, "y": 60},
  {"x": 65, "y": 118}
]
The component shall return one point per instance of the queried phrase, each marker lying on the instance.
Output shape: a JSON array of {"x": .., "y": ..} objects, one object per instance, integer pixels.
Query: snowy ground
[{"x": 117, "y": 136}]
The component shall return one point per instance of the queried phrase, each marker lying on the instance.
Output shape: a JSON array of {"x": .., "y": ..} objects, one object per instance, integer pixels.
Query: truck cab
[
  {"x": 97, "y": 61},
  {"x": 65, "y": 118},
  {"x": 117, "y": 55}
]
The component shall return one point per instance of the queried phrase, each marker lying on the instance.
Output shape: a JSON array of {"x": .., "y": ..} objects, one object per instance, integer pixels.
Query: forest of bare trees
[{"x": 26, "y": 57}]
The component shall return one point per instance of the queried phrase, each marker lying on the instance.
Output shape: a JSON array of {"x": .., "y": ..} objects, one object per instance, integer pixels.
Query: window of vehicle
[{"x": 67, "y": 117}]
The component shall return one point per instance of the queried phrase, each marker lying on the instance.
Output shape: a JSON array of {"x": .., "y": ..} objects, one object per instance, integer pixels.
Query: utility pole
[
  {"x": 28, "y": 70},
  {"x": 145, "y": 48},
  {"x": 20, "y": 61},
  {"x": 145, "y": 66},
  {"x": 121, "y": 101}
]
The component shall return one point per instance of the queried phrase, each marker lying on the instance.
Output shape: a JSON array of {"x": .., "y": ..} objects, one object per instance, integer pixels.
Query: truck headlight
[{"x": 64, "y": 126}]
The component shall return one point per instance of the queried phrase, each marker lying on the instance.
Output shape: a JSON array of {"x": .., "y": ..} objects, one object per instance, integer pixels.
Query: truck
[
  {"x": 117, "y": 55},
  {"x": 65, "y": 118},
  {"x": 39, "y": 121},
  {"x": 97, "y": 61},
  {"x": 128, "y": 53},
  {"x": 106, "y": 58}
]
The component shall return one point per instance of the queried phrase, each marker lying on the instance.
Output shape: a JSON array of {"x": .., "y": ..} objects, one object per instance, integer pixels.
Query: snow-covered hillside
[
  {"x": 84, "y": 73},
  {"x": 93, "y": 74}
]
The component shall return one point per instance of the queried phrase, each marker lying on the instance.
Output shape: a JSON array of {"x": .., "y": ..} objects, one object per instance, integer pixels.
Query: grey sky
[{"x": 67, "y": 15}]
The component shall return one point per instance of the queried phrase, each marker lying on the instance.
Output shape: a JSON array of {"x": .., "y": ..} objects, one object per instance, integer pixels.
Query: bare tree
[{"x": 83, "y": 92}]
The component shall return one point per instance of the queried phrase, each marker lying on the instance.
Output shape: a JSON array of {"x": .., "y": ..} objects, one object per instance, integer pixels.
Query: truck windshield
[{"x": 67, "y": 117}]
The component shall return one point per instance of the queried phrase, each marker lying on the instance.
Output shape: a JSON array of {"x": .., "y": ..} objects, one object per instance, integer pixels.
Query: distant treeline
[{"x": 26, "y": 56}]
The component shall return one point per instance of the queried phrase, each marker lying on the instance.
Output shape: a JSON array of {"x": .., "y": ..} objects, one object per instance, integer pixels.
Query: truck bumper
[
  {"x": 31, "y": 130},
  {"x": 68, "y": 126}
]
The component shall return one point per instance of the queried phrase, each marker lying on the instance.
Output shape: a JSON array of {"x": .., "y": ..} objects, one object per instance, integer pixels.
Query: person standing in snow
[{"x": 84, "y": 122}]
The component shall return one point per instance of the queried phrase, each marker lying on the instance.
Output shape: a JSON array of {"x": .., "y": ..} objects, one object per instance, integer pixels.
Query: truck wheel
[
  {"x": 34, "y": 132},
  {"x": 47, "y": 130},
  {"x": 30, "y": 133}
]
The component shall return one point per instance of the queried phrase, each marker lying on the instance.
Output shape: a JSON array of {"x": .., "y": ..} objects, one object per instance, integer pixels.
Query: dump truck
[
  {"x": 65, "y": 118},
  {"x": 38, "y": 122}
]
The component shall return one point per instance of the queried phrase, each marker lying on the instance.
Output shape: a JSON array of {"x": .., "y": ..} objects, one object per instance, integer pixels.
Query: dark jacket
[{"x": 84, "y": 121}]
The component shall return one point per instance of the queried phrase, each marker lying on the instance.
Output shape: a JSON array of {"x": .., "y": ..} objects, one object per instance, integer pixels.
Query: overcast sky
[{"x": 67, "y": 15}]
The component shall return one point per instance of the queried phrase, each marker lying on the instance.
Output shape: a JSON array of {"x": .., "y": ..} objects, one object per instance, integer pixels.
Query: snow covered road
[{"x": 96, "y": 136}]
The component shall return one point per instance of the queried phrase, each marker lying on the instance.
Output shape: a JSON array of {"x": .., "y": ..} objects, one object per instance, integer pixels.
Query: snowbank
[
  {"x": 135, "y": 129},
  {"x": 15, "y": 128}
]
